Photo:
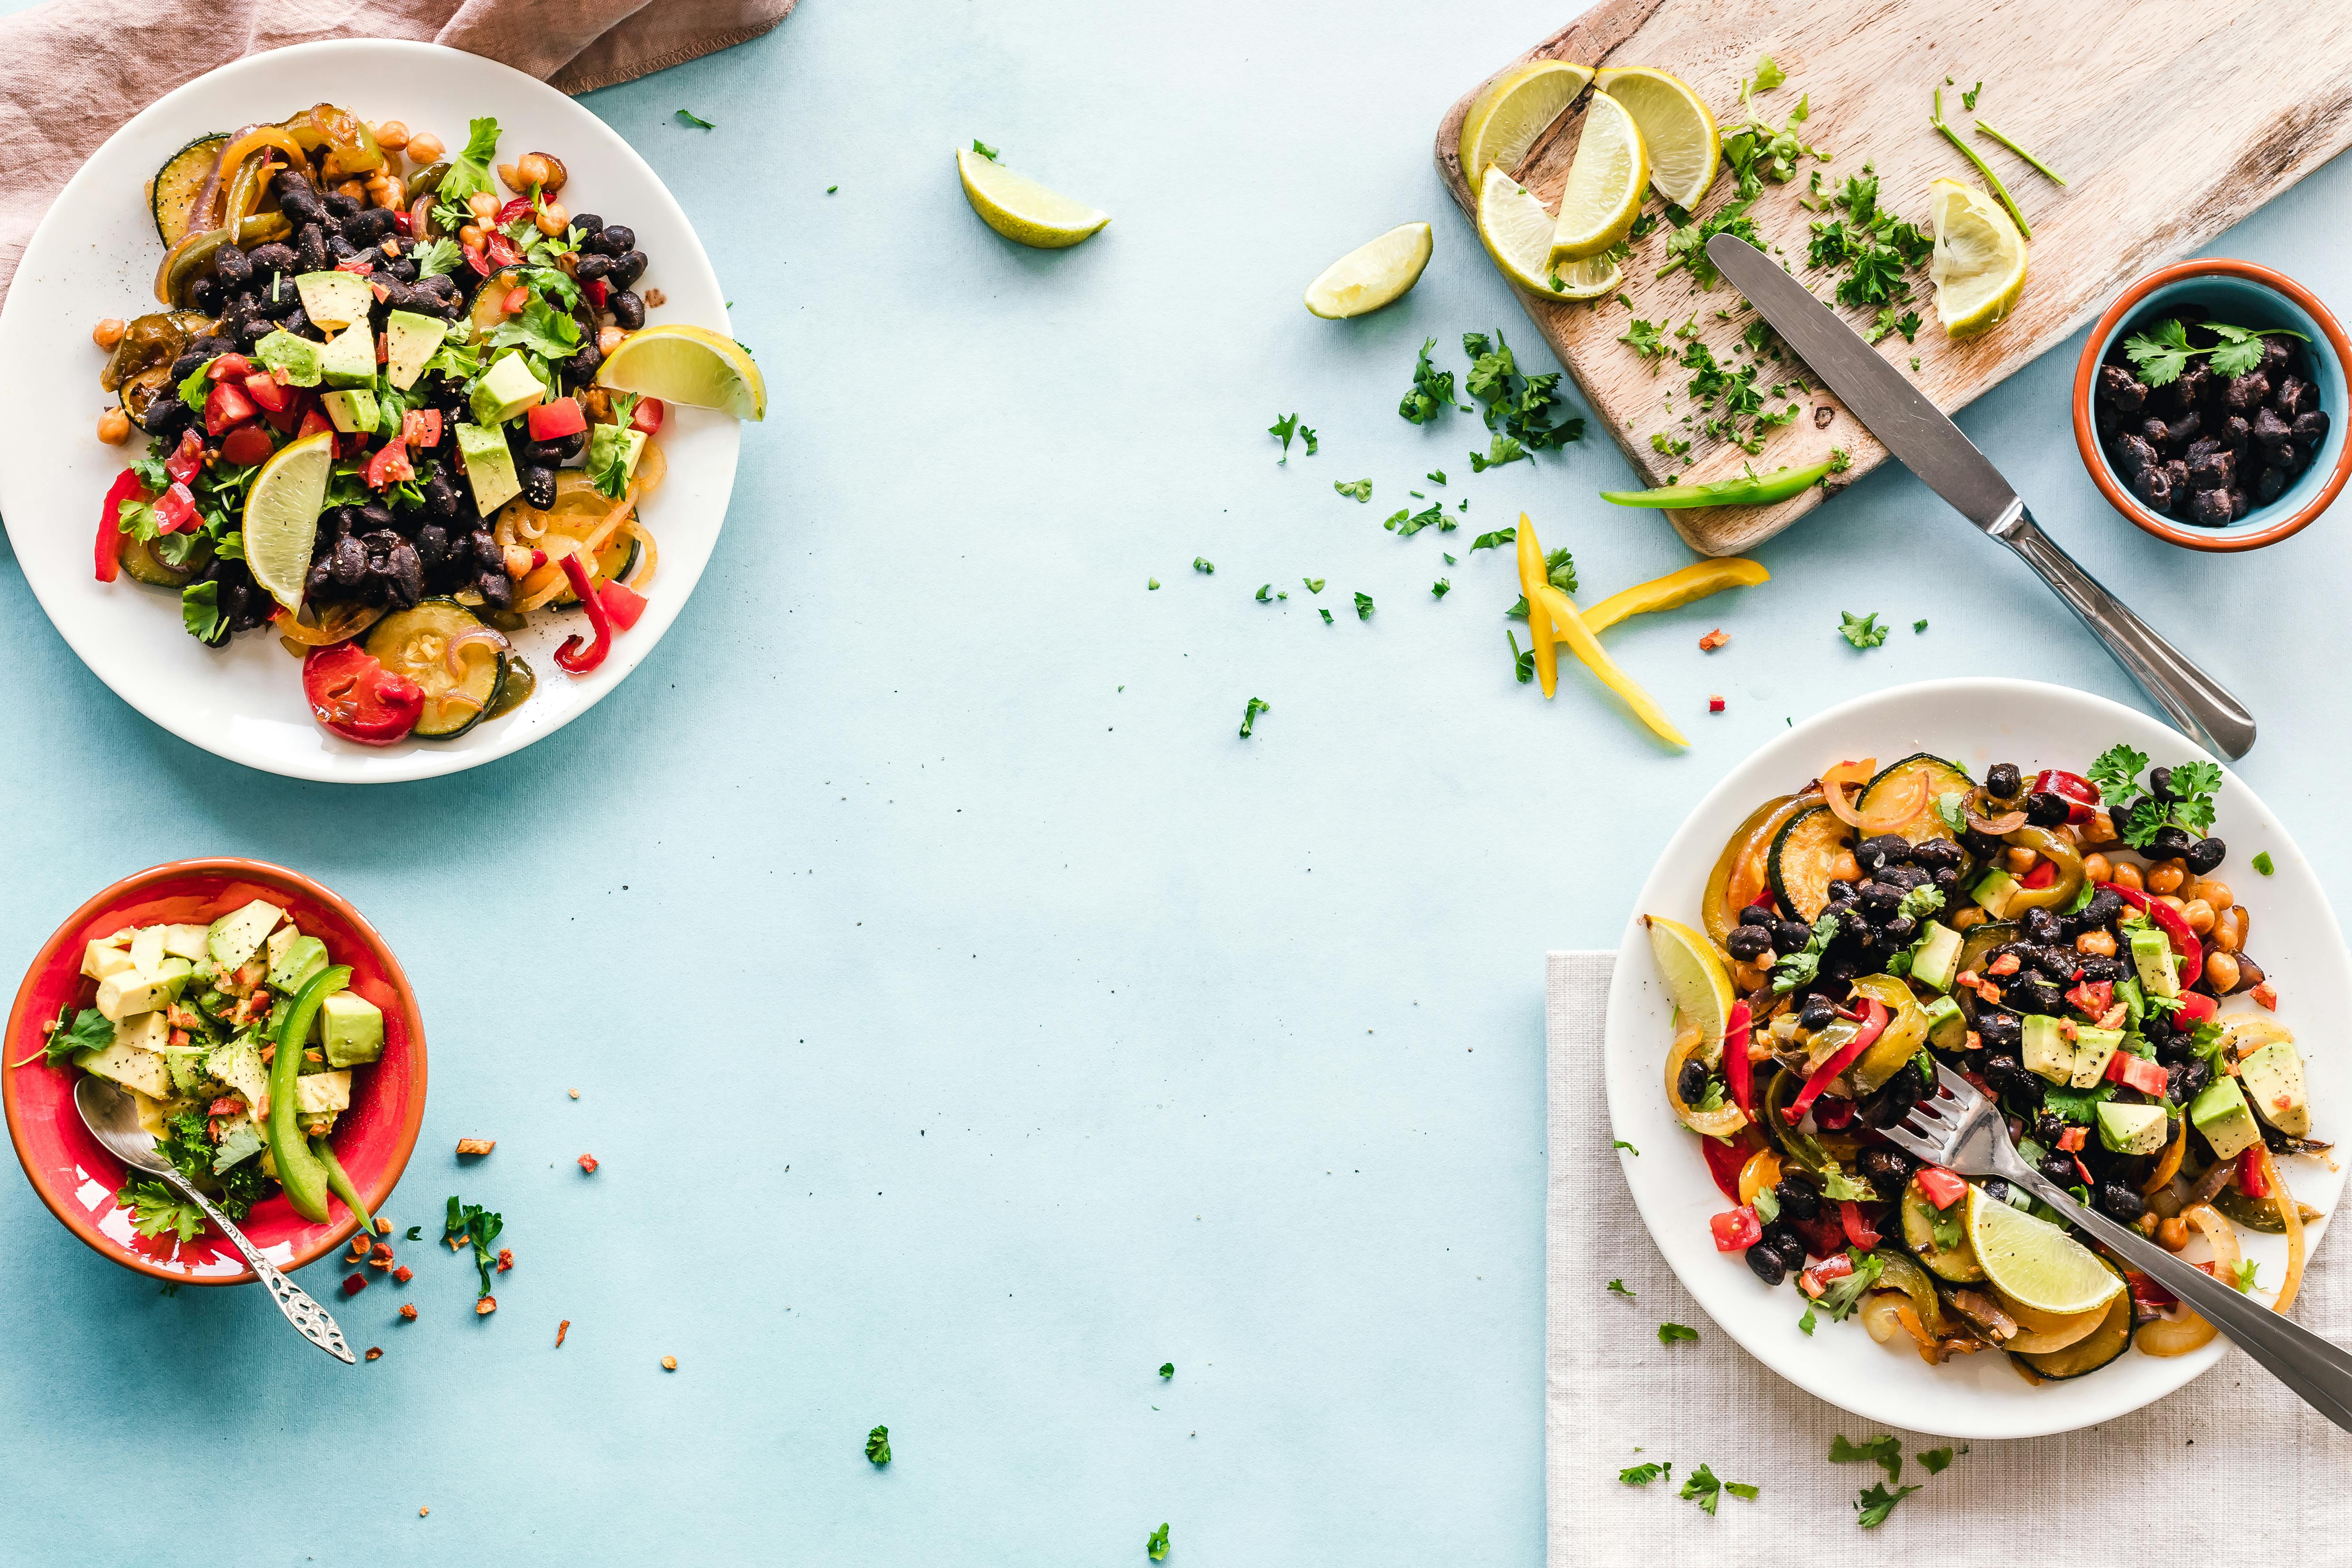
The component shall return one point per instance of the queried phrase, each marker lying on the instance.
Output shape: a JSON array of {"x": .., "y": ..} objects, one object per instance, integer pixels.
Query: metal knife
[{"x": 1948, "y": 462}]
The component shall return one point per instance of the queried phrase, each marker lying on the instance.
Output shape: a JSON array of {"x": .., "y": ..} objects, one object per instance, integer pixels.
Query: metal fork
[{"x": 1961, "y": 1129}]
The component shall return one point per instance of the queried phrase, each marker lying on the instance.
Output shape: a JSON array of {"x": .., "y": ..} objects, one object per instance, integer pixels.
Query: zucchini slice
[
  {"x": 141, "y": 563},
  {"x": 414, "y": 642},
  {"x": 2100, "y": 1346},
  {"x": 1958, "y": 1264},
  {"x": 514, "y": 687},
  {"x": 1943, "y": 776},
  {"x": 1802, "y": 864},
  {"x": 171, "y": 195}
]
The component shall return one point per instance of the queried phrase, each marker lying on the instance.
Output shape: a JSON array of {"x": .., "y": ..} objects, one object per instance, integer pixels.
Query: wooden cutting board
[{"x": 2170, "y": 119}]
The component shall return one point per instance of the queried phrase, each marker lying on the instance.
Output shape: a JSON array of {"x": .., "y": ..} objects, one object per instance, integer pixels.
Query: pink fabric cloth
[{"x": 71, "y": 70}]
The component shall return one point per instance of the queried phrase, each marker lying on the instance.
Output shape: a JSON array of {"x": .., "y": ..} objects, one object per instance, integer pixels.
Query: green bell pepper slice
[{"x": 302, "y": 1173}]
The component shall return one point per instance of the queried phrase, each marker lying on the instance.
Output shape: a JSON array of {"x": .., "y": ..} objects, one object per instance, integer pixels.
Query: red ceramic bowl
[{"x": 77, "y": 1178}]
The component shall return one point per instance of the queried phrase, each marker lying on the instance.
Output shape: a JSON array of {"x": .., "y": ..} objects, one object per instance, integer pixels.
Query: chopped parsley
[
  {"x": 1250, "y": 712},
  {"x": 1362, "y": 489},
  {"x": 1791, "y": 970},
  {"x": 1314, "y": 584},
  {"x": 1618, "y": 1288},
  {"x": 1642, "y": 1474},
  {"x": 470, "y": 170},
  {"x": 1843, "y": 1296},
  {"x": 1284, "y": 427},
  {"x": 2162, "y": 354},
  {"x": 983, "y": 149},
  {"x": 1324, "y": 613},
  {"x": 687, "y": 117},
  {"x": 1864, "y": 631},
  {"x": 1439, "y": 589},
  {"x": 1907, "y": 323},
  {"x": 1168, "y": 1369},
  {"x": 1523, "y": 662},
  {"x": 1404, "y": 526},
  {"x": 1432, "y": 393},
  {"x": 1706, "y": 1490},
  {"x": 2263, "y": 864},
  {"x": 1919, "y": 626},
  {"x": 1687, "y": 246},
  {"x": 1204, "y": 566},
  {"x": 1526, "y": 412},
  {"x": 1883, "y": 1451},
  {"x": 83, "y": 1029},
  {"x": 1264, "y": 594},
  {"x": 1494, "y": 540},
  {"x": 878, "y": 1444},
  {"x": 1501, "y": 450},
  {"x": 157, "y": 1206},
  {"x": 1877, "y": 1502},
  {"x": 1308, "y": 436},
  {"x": 1621, "y": 1144},
  {"x": 1363, "y": 607},
  {"x": 1435, "y": 477},
  {"x": 1647, "y": 339},
  {"x": 1559, "y": 570},
  {"x": 2076, "y": 1105},
  {"x": 1935, "y": 1461},
  {"x": 472, "y": 1222},
  {"x": 1968, "y": 98},
  {"x": 1921, "y": 900},
  {"x": 1669, "y": 1333},
  {"x": 2189, "y": 790},
  {"x": 1156, "y": 1547},
  {"x": 2244, "y": 1279},
  {"x": 1757, "y": 151},
  {"x": 1151, "y": 583}
]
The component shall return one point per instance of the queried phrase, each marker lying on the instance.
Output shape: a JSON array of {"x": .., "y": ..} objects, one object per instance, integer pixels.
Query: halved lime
[
  {"x": 1678, "y": 129},
  {"x": 1694, "y": 978},
  {"x": 1605, "y": 182},
  {"x": 1372, "y": 275},
  {"x": 1021, "y": 209},
  {"x": 1514, "y": 110},
  {"x": 1517, "y": 231},
  {"x": 281, "y": 515},
  {"x": 2034, "y": 1263},
  {"x": 692, "y": 366},
  {"x": 1978, "y": 265}
]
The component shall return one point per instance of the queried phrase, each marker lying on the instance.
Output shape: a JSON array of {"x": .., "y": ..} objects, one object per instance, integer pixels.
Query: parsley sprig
[
  {"x": 1527, "y": 414},
  {"x": 2187, "y": 801},
  {"x": 471, "y": 1222},
  {"x": 2163, "y": 353},
  {"x": 1703, "y": 1489},
  {"x": 1862, "y": 631}
]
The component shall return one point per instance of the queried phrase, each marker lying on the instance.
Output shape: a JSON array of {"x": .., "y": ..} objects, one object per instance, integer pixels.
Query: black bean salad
[
  {"x": 373, "y": 419},
  {"x": 2064, "y": 940}
]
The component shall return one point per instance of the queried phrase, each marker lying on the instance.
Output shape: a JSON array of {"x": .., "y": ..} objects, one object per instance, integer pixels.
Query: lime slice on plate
[
  {"x": 1979, "y": 264},
  {"x": 1517, "y": 231},
  {"x": 2034, "y": 1263},
  {"x": 1604, "y": 195},
  {"x": 281, "y": 515},
  {"x": 1694, "y": 976},
  {"x": 692, "y": 366},
  {"x": 1678, "y": 129},
  {"x": 1514, "y": 109},
  {"x": 1021, "y": 209},
  {"x": 1371, "y": 275}
]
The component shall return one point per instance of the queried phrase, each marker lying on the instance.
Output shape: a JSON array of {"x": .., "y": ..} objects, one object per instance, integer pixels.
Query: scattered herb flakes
[
  {"x": 878, "y": 1446},
  {"x": 1494, "y": 540},
  {"x": 1618, "y": 1288},
  {"x": 2263, "y": 864},
  {"x": 1523, "y": 663},
  {"x": 1324, "y": 613},
  {"x": 1526, "y": 412},
  {"x": 1893, "y": 319},
  {"x": 1877, "y": 1502},
  {"x": 1703, "y": 1489},
  {"x": 1284, "y": 427},
  {"x": 1883, "y": 1451},
  {"x": 1308, "y": 436},
  {"x": 470, "y": 1222},
  {"x": 687, "y": 117},
  {"x": 1757, "y": 151},
  {"x": 1670, "y": 1332},
  {"x": 2161, "y": 355},
  {"x": 1264, "y": 594},
  {"x": 1168, "y": 1369},
  {"x": 1667, "y": 448},
  {"x": 1647, "y": 339},
  {"x": 1432, "y": 392},
  {"x": 1621, "y": 1144},
  {"x": 1436, "y": 477},
  {"x": 1935, "y": 1461},
  {"x": 1152, "y": 585},
  {"x": 1314, "y": 584},
  {"x": 829, "y": 190},
  {"x": 1439, "y": 589},
  {"x": 1968, "y": 99},
  {"x": 1362, "y": 489},
  {"x": 1839, "y": 458},
  {"x": 1501, "y": 450},
  {"x": 985, "y": 150},
  {"x": 1363, "y": 607},
  {"x": 1919, "y": 626},
  {"x": 1864, "y": 631},
  {"x": 1204, "y": 566},
  {"x": 1156, "y": 1547},
  {"x": 1687, "y": 246},
  {"x": 1642, "y": 1475},
  {"x": 1431, "y": 515},
  {"x": 1249, "y": 715}
]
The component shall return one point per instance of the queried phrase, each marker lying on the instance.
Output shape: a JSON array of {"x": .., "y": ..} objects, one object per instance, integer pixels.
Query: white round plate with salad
[
  {"x": 1961, "y": 1381},
  {"x": 268, "y": 391}
]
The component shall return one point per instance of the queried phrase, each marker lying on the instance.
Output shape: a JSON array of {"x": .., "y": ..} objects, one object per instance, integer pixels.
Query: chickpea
[
  {"x": 1967, "y": 917},
  {"x": 534, "y": 169},
  {"x": 511, "y": 178},
  {"x": 471, "y": 235},
  {"x": 610, "y": 339},
  {"x": 114, "y": 427},
  {"x": 355, "y": 188},
  {"x": 2222, "y": 972},
  {"x": 2021, "y": 860},
  {"x": 392, "y": 136},
  {"x": 2171, "y": 901},
  {"x": 483, "y": 205},
  {"x": 107, "y": 333},
  {"x": 1845, "y": 868},
  {"x": 2172, "y": 1235},
  {"x": 2216, "y": 893},
  {"x": 518, "y": 561},
  {"x": 391, "y": 193},
  {"x": 2099, "y": 943},
  {"x": 2145, "y": 1223},
  {"x": 2125, "y": 875},
  {"x": 426, "y": 149},
  {"x": 2097, "y": 868},
  {"x": 2099, "y": 830},
  {"x": 2200, "y": 916},
  {"x": 1746, "y": 977},
  {"x": 2166, "y": 876},
  {"x": 553, "y": 220}
]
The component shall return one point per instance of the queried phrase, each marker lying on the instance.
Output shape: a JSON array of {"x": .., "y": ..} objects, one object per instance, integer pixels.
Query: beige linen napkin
[
  {"x": 71, "y": 71},
  {"x": 2233, "y": 1467}
]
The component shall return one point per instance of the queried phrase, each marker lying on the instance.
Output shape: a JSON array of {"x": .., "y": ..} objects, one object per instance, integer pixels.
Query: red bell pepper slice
[
  {"x": 1725, "y": 1161},
  {"x": 554, "y": 420},
  {"x": 285, "y": 420},
  {"x": 598, "y": 292},
  {"x": 2071, "y": 1139},
  {"x": 1736, "y": 1230},
  {"x": 402, "y": 221},
  {"x": 570, "y": 656},
  {"x": 2251, "y": 1180},
  {"x": 268, "y": 393},
  {"x": 476, "y": 259},
  {"x": 2043, "y": 872},
  {"x": 2082, "y": 798},
  {"x": 519, "y": 207},
  {"x": 247, "y": 445},
  {"x": 2168, "y": 920},
  {"x": 648, "y": 417},
  {"x": 2196, "y": 1007},
  {"x": 126, "y": 488},
  {"x": 388, "y": 465},
  {"x": 499, "y": 251},
  {"x": 1858, "y": 1228},
  {"x": 421, "y": 427},
  {"x": 175, "y": 509},
  {"x": 1942, "y": 1187},
  {"x": 1875, "y": 1019},
  {"x": 516, "y": 298},
  {"x": 2137, "y": 1072},
  {"x": 353, "y": 696},
  {"x": 1833, "y": 1112},
  {"x": 187, "y": 459},
  {"x": 1816, "y": 1279},
  {"x": 2092, "y": 998},
  {"x": 2147, "y": 1293},
  {"x": 225, "y": 406},
  {"x": 1738, "y": 1072},
  {"x": 626, "y": 606}
]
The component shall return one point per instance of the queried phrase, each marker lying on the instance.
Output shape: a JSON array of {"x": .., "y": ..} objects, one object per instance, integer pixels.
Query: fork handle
[{"x": 2316, "y": 1369}]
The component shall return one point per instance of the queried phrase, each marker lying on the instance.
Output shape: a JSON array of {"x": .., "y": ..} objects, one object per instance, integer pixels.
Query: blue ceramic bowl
[{"x": 2246, "y": 295}]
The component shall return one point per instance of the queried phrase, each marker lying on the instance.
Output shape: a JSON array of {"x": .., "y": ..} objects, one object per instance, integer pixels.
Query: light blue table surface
[{"x": 967, "y": 1020}]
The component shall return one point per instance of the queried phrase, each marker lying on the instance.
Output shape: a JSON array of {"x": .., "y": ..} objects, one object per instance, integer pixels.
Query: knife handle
[{"x": 2198, "y": 703}]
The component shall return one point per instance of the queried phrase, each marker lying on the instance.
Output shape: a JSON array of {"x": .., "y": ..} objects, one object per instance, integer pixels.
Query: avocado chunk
[
  {"x": 607, "y": 443},
  {"x": 298, "y": 357},
  {"x": 2131, "y": 1129},
  {"x": 1933, "y": 960},
  {"x": 104, "y": 956},
  {"x": 1948, "y": 1027},
  {"x": 334, "y": 299},
  {"x": 349, "y": 359},
  {"x": 353, "y": 411},
  {"x": 184, "y": 942},
  {"x": 237, "y": 935},
  {"x": 297, "y": 962},
  {"x": 2047, "y": 1051},
  {"x": 323, "y": 1093},
  {"x": 2092, "y": 1049},
  {"x": 409, "y": 340},
  {"x": 2220, "y": 1113},
  {"x": 2151, "y": 954},
  {"x": 489, "y": 465},
  {"x": 239, "y": 1065},
  {"x": 130, "y": 1067},
  {"x": 131, "y": 992},
  {"x": 144, "y": 1032},
  {"x": 506, "y": 389},
  {"x": 1994, "y": 890},
  {"x": 186, "y": 1065},
  {"x": 351, "y": 1029},
  {"x": 147, "y": 950},
  {"x": 2271, "y": 1079}
]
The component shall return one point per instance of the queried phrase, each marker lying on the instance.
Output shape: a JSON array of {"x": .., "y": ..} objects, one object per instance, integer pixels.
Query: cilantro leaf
[
  {"x": 983, "y": 149},
  {"x": 1618, "y": 1288},
  {"x": 687, "y": 117},
  {"x": 1441, "y": 587},
  {"x": 1863, "y": 631},
  {"x": 1362, "y": 489},
  {"x": 471, "y": 1222},
  {"x": 1156, "y": 1547},
  {"x": 1432, "y": 393},
  {"x": 1768, "y": 74},
  {"x": 2115, "y": 773},
  {"x": 470, "y": 170},
  {"x": 1968, "y": 98},
  {"x": 542, "y": 330},
  {"x": 1308, "y": 437},
  {"x": 1523, "y": 663},
  {"x": 1646, "y": 339},
  {"x": 2076, "y": 1105},
  {"x": 1883, "y": 1451},
  {"x": 1668, "y": 1333},
  {"x": 1877, "y": 1502},
  {"x": 1250, "y": 712},
  {"x": 878, "y": 1446},
  {"x": 1706, "y": 1490},
  {"x": 1935, "y": 1461},
  {"x": 1494, "y": 540},
  {"x": 1405, "y": 527},
  {"x": 1284, "y": 427},
  {"x": 86, "y": 1030},
  {"x": 157, "y": 1206},
  {"x": 200, "y": 613},
  {"x": 1363, "y": 607},
  {"x": 1501, "y": 450},
  {"x": 1642, "y": 1475}
]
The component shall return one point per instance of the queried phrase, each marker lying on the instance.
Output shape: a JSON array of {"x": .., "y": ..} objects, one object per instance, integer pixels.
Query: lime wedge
[
  {"x": 2035, "y": 1264},
  {"x": 1517, "y": 231},
  {"x": 1021, "y": 209},
  {"x": 692, "y": 366},
  {"x": 1514, "y": 109},
  {"x": 1694, "y": 978},
  {"x": 1978, "y": 265},
  {"x": 1604, "y": 195},
  {"x": 1678, "y": 129},
  {"x": 281, "y": 515},
  {"x": 1372, "y": 275}
]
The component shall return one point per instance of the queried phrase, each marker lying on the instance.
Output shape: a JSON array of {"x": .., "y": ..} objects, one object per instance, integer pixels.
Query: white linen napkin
[{"x": 2232, "y": 1467}]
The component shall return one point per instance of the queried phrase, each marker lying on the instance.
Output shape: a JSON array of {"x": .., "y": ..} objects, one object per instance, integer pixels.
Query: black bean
[
  {"x": 619, "y": 239},
  {"x": 2100, "y": 913},
  {"x": 2058, "y": 1168},
  {"x": 1748, "y": 942},
  {"x": 629, "y": 310},
  {"x": 2186, "y": 1078},
  {"x": 1758, "y": 913},
  {"x": 2310, "y": 427},
  {"x": 539, "y": 486},
  {"x": 1999, "y": 1029},
  {"x": 1767, "y": 1264},
  {"x": 1798, "y": 1201},
  {"x": 2097, "y": 968},
  {"x": 2191, "y": 385},
  {"x": 2040, "y": 925},
  {"x": 432, "y": 545},
  {"x": 486, "y": 548},
  {"x": 347, "y": 563},
  {"x": 339, "y": 249},
  {"x": 204, "y": 293},
  {"x": 2046, "y": 808},
  {"x": 1691, "y": 1083},
  {"x": 403, "y": 269},
  {"x": 496, "y": 587},
  {"x": 405, "y": 570},
  {"x": 580, "y": 368},
  {"x": 1897, "y": 932},
  {"x": 2135, "y": 456},
  {"x": 2120, "y": 390},
  {"x": 586, "y": 223},
  {"x": 2062, "y": 964},
  {"x": 339, "y": 206},
  {"x": 628, "y": 269},
  {"x": 2120, "y": 1200},
  {"x": 2270, "y": 486},
  {"x": 310, "y": 248},
  {"x": 232, "y": 265},
  {"x": 1885, "y": 849},
  {"x": 1788, "y": 936},
  {"x": 1887, "y": 1168},
  {"x": 591, "y": 267},
  {"x": 2216, "y": 470},
  {"x": 2246, "y": 393},
  {"x": 1878, "y": 900},
  {"x": 2277, "y": 355},
  {"x": 2209, "y": 509}
]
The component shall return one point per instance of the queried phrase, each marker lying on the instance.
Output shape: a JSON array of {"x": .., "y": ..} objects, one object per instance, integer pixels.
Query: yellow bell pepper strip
[
  {"x": 1587, "y": 647},
  {"x": 1533, "y": 579},
  {"x": 341, "y": 1184},
  {"x": 1748, "y": 490},
  {"x": 1675, "y": 590},
  {"x": 300, "y": 1172}
]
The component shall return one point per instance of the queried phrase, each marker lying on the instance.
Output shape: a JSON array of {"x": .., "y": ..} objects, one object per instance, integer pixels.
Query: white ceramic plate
[
  {"x": 95, "y": 255},
  {"x": 1975, "y": 723}
]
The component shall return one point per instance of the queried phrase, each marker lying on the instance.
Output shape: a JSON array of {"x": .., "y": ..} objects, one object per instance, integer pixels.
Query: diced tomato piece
[
  {"x": 359, "y": 264},
  {"x": 1833, "y": 1112},
  {"x": 625, "y": 605},
  {"x": 2251, "y": 1180},
  {"x": 2071, "y": 1139},
  {"x": 648, "y": 417},
  {"x": 1816, "y": 1278},
  {"x": 1858, "y": 1228},
  {"x": 516, "y": 298},
  {"x": 499, "y": 251},
  {"x": 228, "y": 367},
  {"x": 389, "y": 466},
  {"x": 554, "y": 421},
  {"x": 2266, "y": 996},
  {"x": 2137, "y": 1072},
  {"x": 175, "y": 509},
  {"x": 1724, "y": 1161},
  {"x": 285, "y": 421},
  {"x": 1737, "y": 1229},
  {"x": 421, "y": 427},
  {"x": 2092, "y": 998},
  {"x": 1822, "y": 1233},
  {"x": 2043, "y": 872},
  {"x": 247, "y": 445},
  {"x": 598, "y": 291},
  {"x": 314, "y": 421},
  {"x": 267, "y": 394},
  {"x": 519, "y": 207},
  {"x": 187, "y": 459},
  {"x": 225, "y": 406},
  {"x": 352, "y": 695},
  {"x": 2146, "y": 1292},
  {"x": 2196, "y": 1007},
  {"x": 1942, "y": 1187}
]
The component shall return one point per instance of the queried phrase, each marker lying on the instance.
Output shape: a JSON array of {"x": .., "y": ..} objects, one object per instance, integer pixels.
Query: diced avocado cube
[
  {"x": 2047, "y": 1051},
  {"x": 353, "y": 411},
  {"x": 124, "y": 995},
  {"x": 237, "y": 935},
  {"x": 409, "y": 340},
  {"x": 147, "y": 950},
  {"x": 2151, "y": 954},
  {"x": 189, "y": 1079},
  {"x": 130, "y": 1067},
  {"x": 144, "y": 1032},
  {"x": 349, "y": 359},
  {"x": 298, "y": 357},
  {"x": 506, "y": 389},
  {"x": 334, "y": 300},
  {"x": 2092, "y": 1049},
  {"x": 239, "y": 1065},
  {"x": 103, "y": 957},
  {"x": 184, "y": 942},
  {"x": 2271, "y": 1079},
  {"x": 490, "y": 466},
  {"x": 1948, "y": 1027},
  {"x": 607, "y": 441},
  {"x": 351, "y": 1026},
  {"x": 323, "y": 1093},
  {"x": 2131, "y": 1129},
  {"x": 302, "y": 958},
  {"x": 2220, "y": 1113},
  {"x": 1993, "y": 891},
  {"x": 1937, "y": 958}
]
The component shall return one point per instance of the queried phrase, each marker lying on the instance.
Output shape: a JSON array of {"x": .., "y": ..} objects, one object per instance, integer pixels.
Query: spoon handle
[{"x": 309, "y": 1318}]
